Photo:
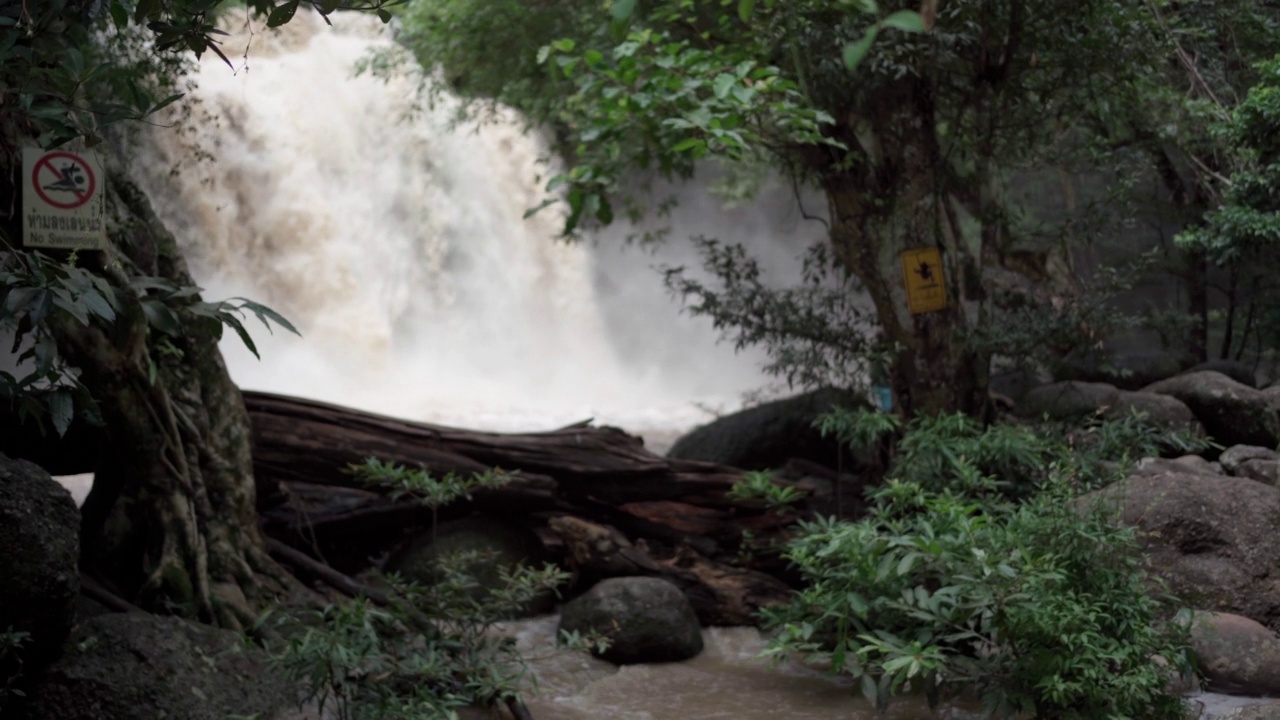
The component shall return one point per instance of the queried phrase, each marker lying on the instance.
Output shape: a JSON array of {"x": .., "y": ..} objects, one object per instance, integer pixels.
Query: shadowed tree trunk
[{"x": 171, "y": 522}]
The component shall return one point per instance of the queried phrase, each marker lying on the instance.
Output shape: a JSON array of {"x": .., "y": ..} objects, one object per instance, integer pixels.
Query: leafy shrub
[
  {"x": 957, "y": 451},
  {"x": 11, "y": 641},
  {"x": 430, "y": 648},
  {"x": 1041, "y": 607}
]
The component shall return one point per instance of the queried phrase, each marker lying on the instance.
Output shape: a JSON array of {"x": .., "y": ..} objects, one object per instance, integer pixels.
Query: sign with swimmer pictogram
[
  {"x": 922, "y": 274},
  {"x": 63, "y": 203}
]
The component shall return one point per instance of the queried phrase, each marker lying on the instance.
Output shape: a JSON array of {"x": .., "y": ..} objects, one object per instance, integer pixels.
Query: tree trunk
[
  {"x": 171, "y": 521},
  {"x": 890, "y": 197}
]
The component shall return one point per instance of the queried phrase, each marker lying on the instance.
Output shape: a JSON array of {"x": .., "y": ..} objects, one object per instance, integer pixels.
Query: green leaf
[
  {"x": 162, "y": 318},
  {"x": 61, "y": 411},
  {"x": 855, "y": 52},
  {"x": 905, "y": 20},
  {"x": 234, "y": 323},
  {"x": 282, "y": 14},
  {"x": 622, "y": 9},
  {"x": 744, "y": 9},
  {"x": 265, "y": 313},
  {"x": 722, "y": 85},
  {"x": 328, "y": 6},
  {"x": 384, "y": 15},
  {"x": 119, "y": 15},
  {"x": 166, "y": 102}
]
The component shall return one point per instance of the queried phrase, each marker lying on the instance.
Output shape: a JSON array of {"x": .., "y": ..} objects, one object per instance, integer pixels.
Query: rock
[
  {"x": 1236, "y": 455},
  {"x": 1162, "y": 410},
  {"x": 766, "y": 436},
  {"x": 1236, "y": 654},
  {"x": 1126, "y": 370},
  {"x": 39, "y": 555},
  {"x": 1272, "y": 396},
  {"x": 142, "y": 667},
  {"x": 1185, "y": 464},
  {"x": 1260, "y": 711},
  {"x": 647, "y": 619},
  {"x": 500, "y": 545},
  {"x": 1212, "y": 540},
  {"x": 1232, "y": 413},
  {"x": 1264, "y": 471},
  {"x": 1240, "y": 372},
  {"x": 1068, "y": 400},
  {"x": 1014, "y": 384}
]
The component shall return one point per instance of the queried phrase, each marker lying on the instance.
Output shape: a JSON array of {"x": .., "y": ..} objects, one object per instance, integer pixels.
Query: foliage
[
  {"x": 954, "y": 452},
  {"x": 11, "y": 641},
  {"x": 761, "y": 485},
  {"x": 1243, "y": 232},
  {"x": 430, "y": 652},
  {"x": 432, "y": 649},
  {"x": 1042, "y": 607},
  {"x": 819, "y": 334}
]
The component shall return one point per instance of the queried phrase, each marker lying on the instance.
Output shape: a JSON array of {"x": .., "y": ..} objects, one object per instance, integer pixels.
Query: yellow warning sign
[
  {"x": 63, "y": 202},
  {"x": 926, "y": 287}
]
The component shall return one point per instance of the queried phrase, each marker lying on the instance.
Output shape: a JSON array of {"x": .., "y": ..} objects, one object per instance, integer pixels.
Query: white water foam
[{"x": 401, "y": 252}]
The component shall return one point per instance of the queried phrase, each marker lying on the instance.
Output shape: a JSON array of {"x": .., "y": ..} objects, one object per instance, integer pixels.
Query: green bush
[
  {"x": 428, "y": 649},
  {"x": 11, "y": 641},
  {"x": 958, "y": 452},
  {"x": 1040, "y": 607}
]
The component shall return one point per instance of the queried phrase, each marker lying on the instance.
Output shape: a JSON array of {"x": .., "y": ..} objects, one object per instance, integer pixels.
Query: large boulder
[
  {"x": 1232, "y": 413},
  {"x": 496, "y": 546},
  {"x": 1236, "y": 654},
  {"x": 141, "y": 667},
  {"x": 1067, "y": 400},
  {"x": 39, "y": 551},
  {"x": 1234, "y": 457},
  {"x": 1240, "y": 372},
  {"x": 1127, "y": 370},
  {"x": 646, "y": 619},
  {"x": 1215, "y": 541},
  {"x": 766, "y": 436},
  {"x": 1162, "y": 410}
]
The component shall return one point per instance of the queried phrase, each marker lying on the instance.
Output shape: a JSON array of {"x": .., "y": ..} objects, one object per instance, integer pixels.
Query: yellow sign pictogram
[{"x": 926, "y": 286}]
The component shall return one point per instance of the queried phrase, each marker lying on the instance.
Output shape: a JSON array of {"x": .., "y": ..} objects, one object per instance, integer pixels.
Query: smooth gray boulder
[
  {"x": 766, "y": 436},
  {"x": 1215, "y": 541},
  {"x": 1236, "y": 455},
  {"x": 1067, "y": 400},
  {"x": 1236, "y": 654},
  {"x": 1232, "y": 413},
  {"x": 1185, "y": 464},
  {"x": 1240, "y": 372},
  {"x": 496, "y": 546},
  {"x": 1162, "y": 410},
  {"x": 39, "y": 554},
  {"x": 1264, "y": 471},
  {"x": 647, "y": 620}
]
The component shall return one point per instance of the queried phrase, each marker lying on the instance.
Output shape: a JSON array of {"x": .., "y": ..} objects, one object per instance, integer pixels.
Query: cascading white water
[{"x": 400, "y": 250}]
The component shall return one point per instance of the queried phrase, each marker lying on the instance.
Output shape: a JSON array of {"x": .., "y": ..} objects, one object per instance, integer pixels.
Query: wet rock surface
[
  {"x": 39, "y": 552},
  {"x": 647, "y": 620},
  {"x": 142, "y": 667}
]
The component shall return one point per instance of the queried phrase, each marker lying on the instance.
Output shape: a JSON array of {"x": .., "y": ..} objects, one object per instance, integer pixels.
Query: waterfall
[{"x": 397, "y": 244}]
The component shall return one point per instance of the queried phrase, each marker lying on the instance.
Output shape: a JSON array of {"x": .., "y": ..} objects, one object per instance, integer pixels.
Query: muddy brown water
[{"x": 727, "y": 680}]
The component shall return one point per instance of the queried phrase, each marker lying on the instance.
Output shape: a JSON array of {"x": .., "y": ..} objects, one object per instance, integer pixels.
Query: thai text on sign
[{"x": 63, "y": 200}]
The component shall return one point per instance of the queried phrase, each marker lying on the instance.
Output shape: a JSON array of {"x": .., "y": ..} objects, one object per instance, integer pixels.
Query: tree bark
[{"x": 171, "y": 521}]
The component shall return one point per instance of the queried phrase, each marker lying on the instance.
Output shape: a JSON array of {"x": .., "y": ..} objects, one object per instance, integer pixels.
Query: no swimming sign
[{"x": 63, "y": 200}]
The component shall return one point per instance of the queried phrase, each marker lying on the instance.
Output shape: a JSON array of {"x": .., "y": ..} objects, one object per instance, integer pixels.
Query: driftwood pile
[{"x": 594, "y": 495}]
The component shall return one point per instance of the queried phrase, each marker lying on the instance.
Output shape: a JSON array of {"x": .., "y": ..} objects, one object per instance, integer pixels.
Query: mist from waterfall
[{"x": 400, "y": 250}]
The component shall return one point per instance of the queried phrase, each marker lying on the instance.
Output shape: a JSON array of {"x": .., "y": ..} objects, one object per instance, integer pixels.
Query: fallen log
[
  {"x": 673, "y": 516},
  {"x": 304, "y": 441}
]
